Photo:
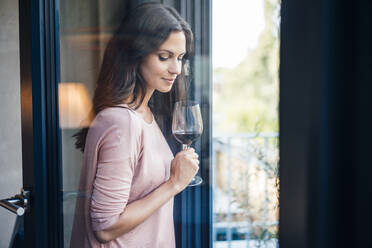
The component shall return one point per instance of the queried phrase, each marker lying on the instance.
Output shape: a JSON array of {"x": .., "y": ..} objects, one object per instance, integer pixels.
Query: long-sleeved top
[{"x": 125, "y": 158}]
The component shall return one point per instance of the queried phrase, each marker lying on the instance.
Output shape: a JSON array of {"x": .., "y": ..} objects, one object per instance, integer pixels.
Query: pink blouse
[{"x": 125, "y": 158}]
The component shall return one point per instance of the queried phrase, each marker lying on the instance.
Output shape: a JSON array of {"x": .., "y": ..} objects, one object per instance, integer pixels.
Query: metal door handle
[{"x": 17, "y": 204}]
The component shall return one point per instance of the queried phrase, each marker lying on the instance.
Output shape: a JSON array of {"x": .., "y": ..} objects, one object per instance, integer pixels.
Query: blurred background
[{"x": 245, "y": 52}]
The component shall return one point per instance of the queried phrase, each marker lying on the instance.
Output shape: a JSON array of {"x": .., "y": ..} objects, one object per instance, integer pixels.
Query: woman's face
[{"x": 160, "y": 69}]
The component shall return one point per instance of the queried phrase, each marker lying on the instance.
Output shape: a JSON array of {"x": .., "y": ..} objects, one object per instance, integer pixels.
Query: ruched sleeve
[{"x": 118, "y": 151}]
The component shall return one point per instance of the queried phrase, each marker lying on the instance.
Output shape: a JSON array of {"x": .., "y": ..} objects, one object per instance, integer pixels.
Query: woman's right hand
[{"x": 184, "y": 167}]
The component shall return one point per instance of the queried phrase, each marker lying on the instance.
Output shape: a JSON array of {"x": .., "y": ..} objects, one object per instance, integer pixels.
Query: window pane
[
  {"x": 245, "y": 123},
  {"x": 85, "y": 28}
]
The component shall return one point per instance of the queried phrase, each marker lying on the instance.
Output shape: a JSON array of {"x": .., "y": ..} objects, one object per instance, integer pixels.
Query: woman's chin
[{"x": 165, "y": 89}]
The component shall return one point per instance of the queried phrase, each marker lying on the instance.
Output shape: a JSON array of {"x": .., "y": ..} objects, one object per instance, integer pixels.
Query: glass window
[
  {"x": 86, "y": 29},
  {"x": 245, "y": 123}
]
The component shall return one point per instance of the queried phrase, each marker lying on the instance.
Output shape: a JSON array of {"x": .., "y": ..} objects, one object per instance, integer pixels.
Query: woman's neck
[
  {"x": 143, "y": 110},
  {"x": 143, "y": 107}
]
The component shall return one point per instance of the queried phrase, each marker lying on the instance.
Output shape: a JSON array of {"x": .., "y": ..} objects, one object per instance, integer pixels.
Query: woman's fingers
[
  {"x": 189, "y": 150},
  {"x": 190, "y": 155},
  {"x": 193, "y": 155}
]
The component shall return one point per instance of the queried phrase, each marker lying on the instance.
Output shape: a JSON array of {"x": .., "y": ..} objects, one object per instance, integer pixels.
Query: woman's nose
[{"x": 175, "y": 67}]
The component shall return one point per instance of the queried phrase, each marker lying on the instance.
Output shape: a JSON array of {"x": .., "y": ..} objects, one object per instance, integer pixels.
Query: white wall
[{"x": 10, "y": 117}]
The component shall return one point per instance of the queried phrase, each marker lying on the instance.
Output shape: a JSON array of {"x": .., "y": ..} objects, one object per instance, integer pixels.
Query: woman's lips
[{"x": 169, "y": 80}]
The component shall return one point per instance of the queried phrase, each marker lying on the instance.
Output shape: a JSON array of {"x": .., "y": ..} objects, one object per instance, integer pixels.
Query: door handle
[{"x": 17, "y": 204}]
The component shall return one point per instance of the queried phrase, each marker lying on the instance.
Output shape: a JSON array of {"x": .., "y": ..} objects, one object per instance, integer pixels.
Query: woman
[{"x": 129, "y": 171}]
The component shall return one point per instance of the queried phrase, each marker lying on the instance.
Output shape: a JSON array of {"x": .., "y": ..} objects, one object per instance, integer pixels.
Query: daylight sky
[{"x": 236, "y": 27}]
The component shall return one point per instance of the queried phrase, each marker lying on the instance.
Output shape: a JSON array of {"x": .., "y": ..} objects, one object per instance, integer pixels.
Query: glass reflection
[
  {"x": 74, "y": 104},
  {"x": 128, "y": 174}
]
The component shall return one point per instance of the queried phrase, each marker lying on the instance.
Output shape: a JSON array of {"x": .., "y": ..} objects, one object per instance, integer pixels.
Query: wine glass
[{"x": 187, "y": 126}]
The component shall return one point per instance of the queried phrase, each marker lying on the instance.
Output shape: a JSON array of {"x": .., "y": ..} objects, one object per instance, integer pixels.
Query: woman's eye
[{"x": 163, "y": 57}]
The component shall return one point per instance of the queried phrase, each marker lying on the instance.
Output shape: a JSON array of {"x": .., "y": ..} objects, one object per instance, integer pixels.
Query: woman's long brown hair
[{"x": 141, "y": 32}]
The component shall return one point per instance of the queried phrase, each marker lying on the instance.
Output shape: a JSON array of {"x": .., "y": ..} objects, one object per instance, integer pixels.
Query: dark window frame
[{"x": 41, "y": 161}]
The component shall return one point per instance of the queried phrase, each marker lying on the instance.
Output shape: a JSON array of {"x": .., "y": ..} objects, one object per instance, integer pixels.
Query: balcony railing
[{"x": 246, "y": 188}]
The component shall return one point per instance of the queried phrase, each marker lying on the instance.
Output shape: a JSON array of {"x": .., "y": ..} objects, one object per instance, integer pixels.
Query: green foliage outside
[
  {"x": 246, "y": 100},
  {"x": 246, "y": 97}
]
